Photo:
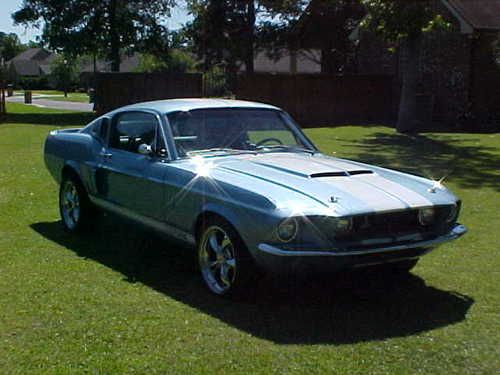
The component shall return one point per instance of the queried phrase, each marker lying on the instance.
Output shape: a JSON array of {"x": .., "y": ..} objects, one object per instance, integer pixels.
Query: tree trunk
[
  {"x": 249, "y": 48},
  {"x": 407, "y": 121},
  {"x": 114, "y": 38}
]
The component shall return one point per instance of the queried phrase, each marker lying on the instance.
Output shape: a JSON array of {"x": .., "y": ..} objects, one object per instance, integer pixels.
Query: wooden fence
[
  {"x": 3, "y": 107},
  {"x": 312, "y": 99},
  {"x": 114, "y": 90},
  {"x": 322, "y": 100}
]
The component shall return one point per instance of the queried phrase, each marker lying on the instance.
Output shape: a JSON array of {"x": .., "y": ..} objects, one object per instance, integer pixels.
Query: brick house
[
  {"x": 459, "y": 69},
  {"x": 32, "y": 63}
]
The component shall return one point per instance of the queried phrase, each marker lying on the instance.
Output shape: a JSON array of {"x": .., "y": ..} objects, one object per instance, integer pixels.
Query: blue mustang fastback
[{"x": 242, "y": 183}]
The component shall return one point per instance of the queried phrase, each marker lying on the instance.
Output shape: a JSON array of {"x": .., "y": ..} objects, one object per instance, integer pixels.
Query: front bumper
[{"x": 274, "y": 258}]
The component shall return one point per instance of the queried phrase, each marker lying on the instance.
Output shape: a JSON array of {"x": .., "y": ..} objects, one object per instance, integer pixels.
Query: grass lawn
[
  {"x": 40, "y": 92},
  {"x": 117, "y": 302},
  {"x": 58, "y": 96}
]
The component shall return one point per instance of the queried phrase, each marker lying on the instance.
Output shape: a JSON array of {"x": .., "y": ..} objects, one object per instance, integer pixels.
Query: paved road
[{"x": 47, "y": 103}]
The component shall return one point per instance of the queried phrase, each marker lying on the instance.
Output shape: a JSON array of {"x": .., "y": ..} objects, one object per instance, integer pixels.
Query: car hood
[{"x": 308, "y": 183}]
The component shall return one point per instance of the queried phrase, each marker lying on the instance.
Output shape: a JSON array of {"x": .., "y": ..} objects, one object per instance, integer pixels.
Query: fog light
[
  {"x": 426, "y": 216},
  {"x": 287, "y": 230}
]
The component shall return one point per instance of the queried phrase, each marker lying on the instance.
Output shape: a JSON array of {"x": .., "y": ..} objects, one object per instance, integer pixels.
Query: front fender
[{"x": 251, "y": 224}]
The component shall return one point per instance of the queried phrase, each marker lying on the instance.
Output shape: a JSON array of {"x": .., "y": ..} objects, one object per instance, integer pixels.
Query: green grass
[
  {"x": 116, "y": 302},
  {"x": 40, "y": 92},
  {"x": 78, "y": 97}
]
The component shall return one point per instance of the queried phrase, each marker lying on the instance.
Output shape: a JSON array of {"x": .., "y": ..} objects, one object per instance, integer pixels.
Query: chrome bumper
[{"x": 457, "y": 231}]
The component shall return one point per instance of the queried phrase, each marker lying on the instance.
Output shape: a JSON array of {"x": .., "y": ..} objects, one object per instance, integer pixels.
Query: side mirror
[{"x": 145, "y": 149}]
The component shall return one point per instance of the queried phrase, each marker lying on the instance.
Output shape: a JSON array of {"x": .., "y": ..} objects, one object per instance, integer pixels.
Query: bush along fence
[{"x": 218, "y": 83}]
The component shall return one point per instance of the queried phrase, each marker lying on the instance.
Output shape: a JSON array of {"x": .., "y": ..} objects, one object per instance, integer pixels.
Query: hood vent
[
  {"x": 339, "y": 174},
  {"x": 353, "y": 173}
]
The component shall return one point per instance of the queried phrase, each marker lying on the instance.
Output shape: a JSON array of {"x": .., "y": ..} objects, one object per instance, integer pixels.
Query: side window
[{"x": 130, "y": 130}]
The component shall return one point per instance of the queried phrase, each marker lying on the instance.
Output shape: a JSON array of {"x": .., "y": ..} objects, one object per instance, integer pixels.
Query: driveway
[{"x": 47, "y": 103}]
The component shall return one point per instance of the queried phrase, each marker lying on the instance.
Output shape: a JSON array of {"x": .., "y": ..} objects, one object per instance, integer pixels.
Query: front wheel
[
  {"x": 225, "y": 264},
  {"x": 74, "y": 205}
]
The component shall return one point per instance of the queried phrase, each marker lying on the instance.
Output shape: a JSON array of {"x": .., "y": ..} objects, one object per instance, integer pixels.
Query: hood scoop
[{"x": 339, "y": 174}]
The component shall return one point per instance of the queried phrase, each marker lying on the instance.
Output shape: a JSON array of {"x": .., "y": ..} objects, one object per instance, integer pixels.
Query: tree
[
  {"x": 223, "y": 32},
  {"x": 10, "y": 46},
  {"x": 322, "y": 25},
  {"x": 64, "y": 72},
  {"x": 326, "y": 25},
  {"x": 178, "y": 61},
  {"x": 404, "y": 22},
  {"x": 108, "y": 27},
  {"x": 227, "y": 32}
]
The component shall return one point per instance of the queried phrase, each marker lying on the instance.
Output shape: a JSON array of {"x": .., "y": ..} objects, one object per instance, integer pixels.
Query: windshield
[{"x": 233, "y": 130}]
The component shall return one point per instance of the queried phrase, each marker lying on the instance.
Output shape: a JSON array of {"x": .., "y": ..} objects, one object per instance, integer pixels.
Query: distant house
[
  {"x": 35, "y": 63},
  {"x": 459, "y": 69},
  {"x": 32, "y": 63},
  {"x": 301, "y": 61},
  {"x": 128, "y": 64}
]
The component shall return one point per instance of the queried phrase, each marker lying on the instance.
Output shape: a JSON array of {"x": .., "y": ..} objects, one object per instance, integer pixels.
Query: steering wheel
[{"x": 267, "y": 140}]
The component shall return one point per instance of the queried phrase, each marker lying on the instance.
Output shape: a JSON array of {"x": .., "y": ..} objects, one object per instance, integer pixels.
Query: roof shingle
[
  {"x": 26, "y": 67},
  {"x": 480, "y": 14},
  {"x": 36, "y": 54}
]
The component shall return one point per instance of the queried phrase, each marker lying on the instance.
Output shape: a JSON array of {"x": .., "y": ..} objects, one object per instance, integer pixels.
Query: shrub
[
  {"x": 176, "y": 61},
  {"x": 34, "y": 83}
]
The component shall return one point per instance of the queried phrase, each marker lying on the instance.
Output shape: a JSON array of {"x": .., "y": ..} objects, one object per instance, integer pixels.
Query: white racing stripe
[
  {"x": 372, "y": 197},
  {"x": 410, "y": 197}
]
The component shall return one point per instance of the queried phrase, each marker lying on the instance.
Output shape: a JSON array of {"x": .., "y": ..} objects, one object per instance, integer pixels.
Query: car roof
[{"x": 188, "y": 104}]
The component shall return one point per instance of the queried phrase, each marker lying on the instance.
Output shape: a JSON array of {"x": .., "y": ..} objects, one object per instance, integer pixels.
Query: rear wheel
[
  {"x": 74, "y": 205},
  {"x": 225, "y": 264}
]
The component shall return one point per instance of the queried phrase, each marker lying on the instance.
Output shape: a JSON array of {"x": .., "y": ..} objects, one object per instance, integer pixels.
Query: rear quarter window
[{"x": 99, "y": 129}]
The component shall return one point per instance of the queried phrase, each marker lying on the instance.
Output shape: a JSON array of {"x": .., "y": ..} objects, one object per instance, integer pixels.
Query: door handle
[{"x": 106, "y": 155}]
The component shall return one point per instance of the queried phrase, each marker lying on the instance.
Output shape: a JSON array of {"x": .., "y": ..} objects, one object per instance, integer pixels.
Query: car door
[{"x": 128, "y": 180}]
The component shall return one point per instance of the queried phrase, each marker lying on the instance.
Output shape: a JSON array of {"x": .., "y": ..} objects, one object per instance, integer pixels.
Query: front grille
[
  {"x": 390, "y": 228},
  {"x": 388, "y": 224},
  {"x": 397, "y": 224}
]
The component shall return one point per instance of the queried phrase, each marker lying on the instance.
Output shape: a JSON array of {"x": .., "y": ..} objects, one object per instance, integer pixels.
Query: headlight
[
  {"x": 342, "y": 225},
  {"x": 426, "y": 216},
  {"x": 287, "y": 230},
  {"x": 452, "y": 213}
]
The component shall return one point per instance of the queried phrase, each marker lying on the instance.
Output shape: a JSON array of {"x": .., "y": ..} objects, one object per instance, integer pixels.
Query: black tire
[
  {"x": 78, "y": 215},
  {"x": 240, "y": 276}
]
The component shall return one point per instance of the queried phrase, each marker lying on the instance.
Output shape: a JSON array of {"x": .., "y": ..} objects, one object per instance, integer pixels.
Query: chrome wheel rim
[
  {"x": 217, "y": 261},
  {"x": 70, "y": 205}
]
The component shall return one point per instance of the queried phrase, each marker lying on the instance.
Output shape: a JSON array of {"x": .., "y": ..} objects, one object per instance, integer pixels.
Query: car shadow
[
  {"x": 468, "y": 164},
  {"x": 341, "y": 309}
]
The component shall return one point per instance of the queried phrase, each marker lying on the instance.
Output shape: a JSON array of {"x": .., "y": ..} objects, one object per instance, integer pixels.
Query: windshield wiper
[
  {"x": 286, "y": 147},
  {"x": 217, "y": 149}
]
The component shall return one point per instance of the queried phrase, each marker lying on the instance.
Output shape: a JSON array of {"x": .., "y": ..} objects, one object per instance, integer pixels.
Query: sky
[{"x": 7, "y": 7}]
